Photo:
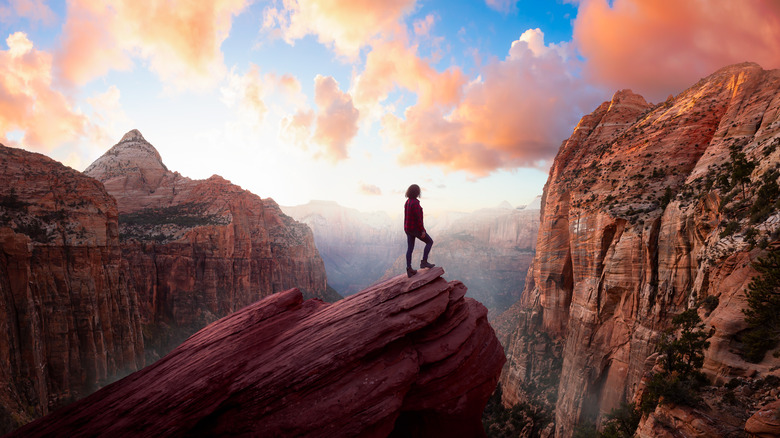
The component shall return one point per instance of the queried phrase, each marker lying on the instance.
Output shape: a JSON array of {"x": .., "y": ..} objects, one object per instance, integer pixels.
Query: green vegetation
[
  {"x": 184, "y": 215},
  {"x": 667, "y": 197},
  {"x": 763, "y": 312},
  {"x": 12, "y": 201},
  {"x": 682, "y": 356},
  {"x": 768, "y": 199},
  {"x": 501, "y": 422},
  {"x": 619, "y": 423},
  {"x": 741, "y": 167}
]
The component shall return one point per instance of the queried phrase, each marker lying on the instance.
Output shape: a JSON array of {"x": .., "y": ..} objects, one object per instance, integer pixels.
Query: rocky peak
[
  {"x": 133, "y": 154},
  {"x": 132, "y": 135}
]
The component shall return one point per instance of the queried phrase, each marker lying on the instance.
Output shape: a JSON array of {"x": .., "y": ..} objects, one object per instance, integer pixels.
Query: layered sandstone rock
[
  {"x": 68, "y": 323},
  {"x": 490, "y": 249},
  {"x": 407, "y": 357},
  {"x": 197, "y": 250},
  {"x": 635, "y": 228},
  {"x": 356, "y": 247}
]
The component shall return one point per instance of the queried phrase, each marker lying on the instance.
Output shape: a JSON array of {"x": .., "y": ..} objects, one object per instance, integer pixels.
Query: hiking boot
[
  {"x": 425, "y": 264},
  {"x": 410, "y": 272}
]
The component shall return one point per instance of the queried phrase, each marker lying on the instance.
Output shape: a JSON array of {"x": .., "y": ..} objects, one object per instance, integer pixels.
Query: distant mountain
[
  {"x": 490, "y": 249},
  {"x": 356, "y": 247}
]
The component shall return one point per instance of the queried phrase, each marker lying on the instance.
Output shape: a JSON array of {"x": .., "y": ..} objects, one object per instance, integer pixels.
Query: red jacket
[{"x": 413, "y": 217}]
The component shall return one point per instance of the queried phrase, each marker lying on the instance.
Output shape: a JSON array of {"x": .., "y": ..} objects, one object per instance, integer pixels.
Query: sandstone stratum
[
  {"x": 68, "y": 322},
  {"x": 197, "y": 250},
  {"x": 406, "y": 357},
  {"x": 640, "y": 221}
]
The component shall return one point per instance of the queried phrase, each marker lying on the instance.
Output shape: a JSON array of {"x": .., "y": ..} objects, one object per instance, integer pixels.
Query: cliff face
[
  {"x": 407, "y": 357},
  {"x": 356, "y": 247},
  {"x": 68, "y": 323},
  {"x": 197, "y": 250},
  {"x": 637, "y": 225},
  {"x": 491, "y": 249}
]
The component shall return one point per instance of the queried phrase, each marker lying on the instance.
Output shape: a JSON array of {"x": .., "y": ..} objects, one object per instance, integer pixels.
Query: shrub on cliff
[
  {"x": 763, "y": 312},
  {"x": 682, "y": 355}
]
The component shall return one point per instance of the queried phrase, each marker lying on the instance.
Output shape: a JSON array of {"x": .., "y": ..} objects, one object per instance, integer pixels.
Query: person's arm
[{"x": 420, "y": 220}]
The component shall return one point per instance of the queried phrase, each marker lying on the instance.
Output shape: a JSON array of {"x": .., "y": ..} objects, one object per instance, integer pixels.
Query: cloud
[
  {"x": 336, "y": 119},
  {"x": 662, "y": 46},
  {"x": 179, "y": 39},
  {"x": 296, "y": 129},
  {"x": 392, "y": 64},
  {"x": 345, "y": 25},
  {"x": 29, "y": 103},
  {"x": 515, "y": 115},
  {"x": 422, "y": 27},
  {"x": 504, "y": 6},
  {"x": 34, "y": 10},
  {"x": 369, "y": 189},
  {"x": 248, "y": 93}
]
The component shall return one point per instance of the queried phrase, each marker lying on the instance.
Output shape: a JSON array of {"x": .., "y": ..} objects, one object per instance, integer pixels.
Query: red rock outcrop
[
  {"x": 197, "y": 250},
  {"x": 68, "y": 323},
  {"x": 766, "y": 422},
  {"x": 638, "y": 225},
  {"x": 407, "y": 357}
]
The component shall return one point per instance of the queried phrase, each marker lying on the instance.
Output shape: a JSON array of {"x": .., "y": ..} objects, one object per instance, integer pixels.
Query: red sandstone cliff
[
  {"x": 636, "y": 228},
  {"x": 407, "y": 357},
  {"x": 197, "y": 250},
  {"x": 68, "y": 323}
]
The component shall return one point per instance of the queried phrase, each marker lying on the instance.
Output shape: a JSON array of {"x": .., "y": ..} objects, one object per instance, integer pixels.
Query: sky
[{"x": 354, "y": 100}]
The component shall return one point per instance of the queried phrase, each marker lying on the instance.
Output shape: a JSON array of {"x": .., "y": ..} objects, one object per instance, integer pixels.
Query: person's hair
[{"x": 413, "y": 191}]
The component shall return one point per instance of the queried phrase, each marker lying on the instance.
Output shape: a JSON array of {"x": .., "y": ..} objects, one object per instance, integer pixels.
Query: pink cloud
[
  {"x": 369, "y": 189},
  {"x": 336, "y": 119},
  {"x": 392, "y": 64},
  {"x": 504, "y": 6},
  {"x": 180, "y": 39},
  {"x": 516, "y": 115},
  {"x": 345, "y": 25},
  {"x": 34, "y": 10},
  {"x": 662, "y": 46},
  {"x": 29, "y": 103},
  {"x": 422, "y": 27}
]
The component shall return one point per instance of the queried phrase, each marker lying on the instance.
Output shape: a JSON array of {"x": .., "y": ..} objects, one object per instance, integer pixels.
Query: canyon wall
[
  {"x": 68, "y": 323},
  {"x": 637, "y": 225},
  {"x": 197, "y": 250}
]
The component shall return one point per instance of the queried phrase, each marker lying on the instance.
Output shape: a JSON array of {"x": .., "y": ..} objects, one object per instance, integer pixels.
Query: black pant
[{"x": 410, "y": 247}]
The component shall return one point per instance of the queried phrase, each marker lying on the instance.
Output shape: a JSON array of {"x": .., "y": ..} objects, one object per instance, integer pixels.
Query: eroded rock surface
[
  {"x": 636, "y": 227},
  {"x": 407, "y": 357},
  {"x": 68, "y": 323}
]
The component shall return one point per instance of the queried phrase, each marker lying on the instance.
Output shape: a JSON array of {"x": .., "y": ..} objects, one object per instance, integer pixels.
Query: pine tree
[{"x": 763, "y": 312}]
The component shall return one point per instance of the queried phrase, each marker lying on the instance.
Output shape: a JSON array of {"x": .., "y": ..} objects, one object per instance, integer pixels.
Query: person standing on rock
[{"x": 414, "y": 228}]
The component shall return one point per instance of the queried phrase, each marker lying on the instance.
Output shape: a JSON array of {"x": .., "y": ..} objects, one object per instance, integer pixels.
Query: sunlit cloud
[
  {"x": 504, "y": 6},
  {"x": 33, "y": 10},
  {"x": 337, "y": 118},
  {"x": 516, "y": 114},
  {"x": 369, "y": 189},
  {"x": 392, "y": 64},
  {"x": 180, "y": 40},
  {"x": 422, "y": 27},
  {"x": 661, "y": 46},
  {"x": 28, "y": 101},
  {"x": 344, "y": 25},
  {"x": 250, "y": 93}
]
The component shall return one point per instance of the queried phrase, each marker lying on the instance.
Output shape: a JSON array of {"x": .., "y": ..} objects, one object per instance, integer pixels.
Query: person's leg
[
  {"x": 409, "y": 249},
  {"x": 428, "y": 244}
]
